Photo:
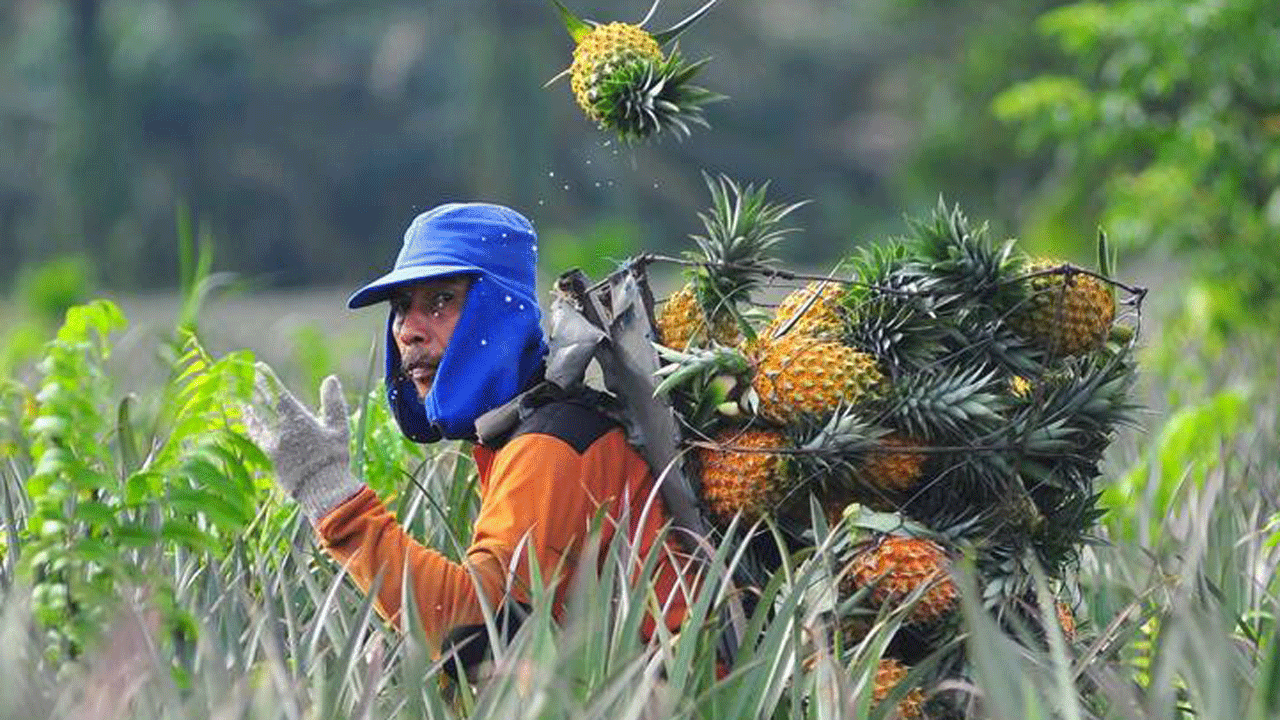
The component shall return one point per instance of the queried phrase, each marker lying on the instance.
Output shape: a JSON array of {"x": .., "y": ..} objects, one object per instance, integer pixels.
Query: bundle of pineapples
[{"x": 937, "y": 395}]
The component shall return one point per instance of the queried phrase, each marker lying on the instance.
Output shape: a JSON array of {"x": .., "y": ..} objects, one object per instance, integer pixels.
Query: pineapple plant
[
  {"x": 625, "y": 83},
  {"x": 1066, "y": 313},
  {"x": 739, "y": 229}
]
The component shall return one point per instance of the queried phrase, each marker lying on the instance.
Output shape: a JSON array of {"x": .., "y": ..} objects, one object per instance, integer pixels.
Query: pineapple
[
  {"x": 799, "y": 377},
  {"x": 1067, "y": 621},
  {"x": 890, "y": 470},
  {"x": 740, "y": 227},
  {"x": 1065, "y": 314},
  {"x": 894, "y": 567},
  {"x": 818, "y": 307},
  {"x": 624, "y": 83},
  {"x": 889, "y": 673},
  {"x": 683, "y": 322},
  {"x": 741, "y": 476}
]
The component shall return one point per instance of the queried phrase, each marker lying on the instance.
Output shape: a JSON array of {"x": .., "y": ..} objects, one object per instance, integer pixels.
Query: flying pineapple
[
  {"x": 740, "y": 227},
  {"x": 625, "y": 84},
  {"x": 1065, "y": 313},
  {"x": 894, "y": 567}
]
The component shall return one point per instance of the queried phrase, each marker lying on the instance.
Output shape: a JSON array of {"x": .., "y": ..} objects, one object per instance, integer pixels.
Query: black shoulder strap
[{"x": 578, "y": 418}]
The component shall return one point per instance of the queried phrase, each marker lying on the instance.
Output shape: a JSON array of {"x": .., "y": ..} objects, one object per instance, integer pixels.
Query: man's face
[{"x": 425, "y": 315}]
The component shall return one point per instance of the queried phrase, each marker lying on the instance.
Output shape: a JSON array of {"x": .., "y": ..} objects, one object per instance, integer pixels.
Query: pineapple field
[{"x": 948, "y": 332}]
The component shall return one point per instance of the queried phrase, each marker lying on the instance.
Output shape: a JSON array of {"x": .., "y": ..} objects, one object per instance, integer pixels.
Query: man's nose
[{"x": 413, "y": 327}]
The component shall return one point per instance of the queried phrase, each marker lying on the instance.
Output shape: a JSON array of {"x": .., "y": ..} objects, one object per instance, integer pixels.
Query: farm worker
[{"x": 464, "y": 360}]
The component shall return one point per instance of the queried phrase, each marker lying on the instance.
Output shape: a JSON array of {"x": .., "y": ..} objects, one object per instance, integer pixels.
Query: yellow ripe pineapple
[
  {"x": 740, "y": 228},
  {"x": 602, "y": 51},
  {"x": 1065, "y": 314},
  {"x": 1020, "y": 387},
  {"x": 819, "y": 301},
  {"x": 894, "y": 567},
  {"x": 889, "y": 673},
  {"x": 683, "y": 323},
  {"x": 893, "y": 470},
  {"x": 624, "y": 82},
  {"x": 799, "y": 376},
  {"x": 742, "y": 476}
]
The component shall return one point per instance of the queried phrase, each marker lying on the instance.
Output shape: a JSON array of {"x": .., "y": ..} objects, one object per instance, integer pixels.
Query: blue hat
[
  {"x": 459, "y": 238},
  {"x": 497, "y": 348}
]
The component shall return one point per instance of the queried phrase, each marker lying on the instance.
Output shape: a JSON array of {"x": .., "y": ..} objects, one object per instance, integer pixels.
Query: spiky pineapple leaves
[{"x": 625, "y": 83}]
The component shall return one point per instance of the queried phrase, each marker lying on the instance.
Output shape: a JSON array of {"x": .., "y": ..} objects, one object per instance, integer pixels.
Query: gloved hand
[{"x": 310, "y": 455}]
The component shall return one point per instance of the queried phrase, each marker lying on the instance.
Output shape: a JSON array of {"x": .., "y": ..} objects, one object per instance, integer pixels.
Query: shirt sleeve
[{"x": 533, "y": 506}]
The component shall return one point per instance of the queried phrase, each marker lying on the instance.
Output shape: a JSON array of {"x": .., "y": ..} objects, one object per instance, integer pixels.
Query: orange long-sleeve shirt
[{"x": 539, "y": 494}]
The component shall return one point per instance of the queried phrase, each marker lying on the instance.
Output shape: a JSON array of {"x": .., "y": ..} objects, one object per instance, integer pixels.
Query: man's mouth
[{"x": 421, "y": 372}]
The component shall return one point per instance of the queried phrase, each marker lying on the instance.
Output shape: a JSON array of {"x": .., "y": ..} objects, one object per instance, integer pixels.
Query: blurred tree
[
  {"x": 309, "y": 131},
  {"x": 1167, "y": 131}
]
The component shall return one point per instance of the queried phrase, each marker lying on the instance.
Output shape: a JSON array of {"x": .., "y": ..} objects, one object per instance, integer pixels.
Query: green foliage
[
  {"x": 47, "y": 290},
  {"x": 100, "y": 498},
  {"x": 1164, "y": 132},
  {"x": 596, "y": 249}
]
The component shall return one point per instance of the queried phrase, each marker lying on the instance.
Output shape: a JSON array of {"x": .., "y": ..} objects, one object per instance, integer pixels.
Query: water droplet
[
  {"x": 521, "y": 306},
  {"x": 566, "y": 186},
  {"x": 484, "y": 341},
  {"x": 551, "y": 174},
  {"x": 588, "y": 162},
  {"x": 655, "y": 184},
  {"x": 508, "y": 298},
  {"x": 597, "y": 183},
  {"x": 504, "y": 234},
  {"x": 533, "y": 248},
  {"x": 542, "y": 202}
]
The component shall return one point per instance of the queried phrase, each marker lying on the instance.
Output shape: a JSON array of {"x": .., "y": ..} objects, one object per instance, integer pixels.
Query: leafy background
[{"x": 185, "y": 186}]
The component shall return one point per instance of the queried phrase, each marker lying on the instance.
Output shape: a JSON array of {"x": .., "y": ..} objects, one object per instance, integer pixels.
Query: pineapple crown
[
  {"x": 739, "y": 228},
  {"x": 641, "y": 99},
  {"x": 578, "y": 28},
  {"x": 958, "y": 263}
]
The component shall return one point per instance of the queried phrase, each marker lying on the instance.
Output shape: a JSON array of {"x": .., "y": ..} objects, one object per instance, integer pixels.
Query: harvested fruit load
[
  {"x": 626, "y": 84},
  {"x": 936, "y": 396}
]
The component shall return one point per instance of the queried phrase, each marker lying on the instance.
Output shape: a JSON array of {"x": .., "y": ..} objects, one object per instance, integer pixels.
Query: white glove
[{"x": 310, "y": 455}]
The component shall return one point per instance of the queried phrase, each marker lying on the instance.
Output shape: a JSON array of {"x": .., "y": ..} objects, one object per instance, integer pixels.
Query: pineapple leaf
[
  {"x": 673, "y": 32},
  {"x": 576, "y": 27}
]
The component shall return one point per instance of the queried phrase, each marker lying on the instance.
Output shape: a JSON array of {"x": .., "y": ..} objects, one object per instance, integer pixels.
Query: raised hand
[{"x": 309, "y": 454}]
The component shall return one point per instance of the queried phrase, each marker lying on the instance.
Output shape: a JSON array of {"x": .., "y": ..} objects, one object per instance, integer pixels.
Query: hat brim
[{"x": 380, "y": 289}]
